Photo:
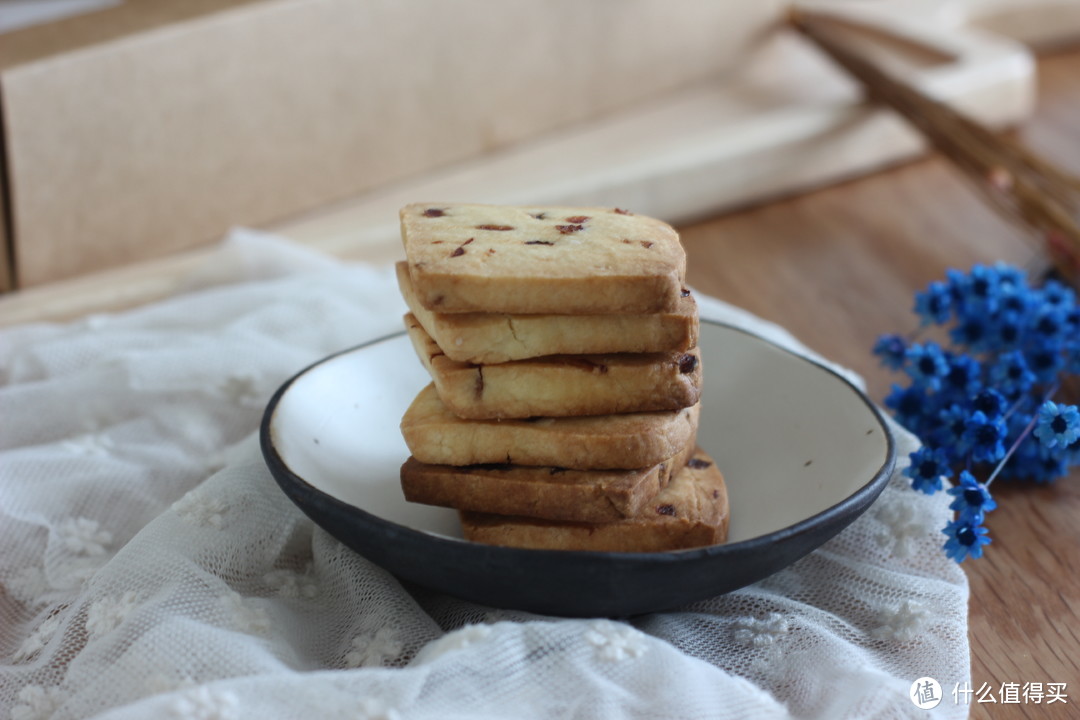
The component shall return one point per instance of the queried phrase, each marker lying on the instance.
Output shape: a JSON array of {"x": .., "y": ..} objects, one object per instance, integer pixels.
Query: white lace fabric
[{"x": 151, "y": 568}]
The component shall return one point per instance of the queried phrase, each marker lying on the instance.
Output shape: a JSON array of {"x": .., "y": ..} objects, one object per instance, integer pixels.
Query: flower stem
[
  {"x": 1014, "y": 407},
  {"x": 1021, "y": 437}
]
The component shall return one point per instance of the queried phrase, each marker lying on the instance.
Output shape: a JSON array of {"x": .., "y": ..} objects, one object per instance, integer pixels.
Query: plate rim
[{"x": 866, "y": 494}]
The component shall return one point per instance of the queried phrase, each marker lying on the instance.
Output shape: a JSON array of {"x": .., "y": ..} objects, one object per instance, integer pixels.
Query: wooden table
[{"x": 838, "y": 267}]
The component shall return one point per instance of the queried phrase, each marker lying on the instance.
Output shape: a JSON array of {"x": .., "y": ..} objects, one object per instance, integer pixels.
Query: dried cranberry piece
[
  {"x": 666, "y": 509},
  {"x": 501, "y": 228},
  {"x": 687, "y": 363},
  {"x": 460, "y": 249},
  {"x": 568, "y": 229},
  {"x": 577, "y": 219},
  {"x": 620, "y": 211},
  {"x": 434, "y": 212},
  {"x": 646, "y": 244}
]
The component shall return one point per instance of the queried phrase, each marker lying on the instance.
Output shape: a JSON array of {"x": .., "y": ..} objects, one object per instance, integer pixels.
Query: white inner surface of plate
[{"x": 791, "y": 438}]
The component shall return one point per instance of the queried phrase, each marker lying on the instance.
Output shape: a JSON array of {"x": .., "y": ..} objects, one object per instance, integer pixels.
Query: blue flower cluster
[{"x": 984, "y": 399}]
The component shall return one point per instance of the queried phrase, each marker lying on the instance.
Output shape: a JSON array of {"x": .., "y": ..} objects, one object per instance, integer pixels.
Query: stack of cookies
[{"x": 564, "y": 407}]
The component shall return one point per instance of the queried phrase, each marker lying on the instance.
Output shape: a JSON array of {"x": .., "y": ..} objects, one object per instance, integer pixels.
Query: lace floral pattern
[
  {"x": 760, "y": 632},
  {"x": 292, "y": 584},
  {"x": 107, "y": 614},
  {"x": 203, "y": 703},
  {"x": 202, "y": 509},
  {"x": 91, "y": 444},
  {"x": 85, "y": 537},
  {"x": 454, "y": 642},
  {"x": 901, "y": 624},
  {"x": 37, "y": 703},
  {"x": 375, "y": 709},
  {"x": 37, "y": 640},
  {"x": 904, "y": 527},
  {"x": 615, "y": 642},
  {"x": 374, "y": 650},
  {"x": 246, "y": 615},
  {"x": 242, "y": 390}
]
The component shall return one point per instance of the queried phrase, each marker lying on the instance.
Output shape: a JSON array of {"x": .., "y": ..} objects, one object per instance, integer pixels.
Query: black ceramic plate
[{"x": 803, "y": 451}]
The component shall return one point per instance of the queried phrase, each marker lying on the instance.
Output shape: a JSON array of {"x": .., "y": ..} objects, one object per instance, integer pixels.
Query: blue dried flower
[
  {"x": 1010, "y": 277},
  {"x": 1016, "y": 298},
  {"x": 1057, "y": 425},
  {"x": 964, "y": 376},
  {"x": 1048, "y": 465},
  {"x": 966, "y": 539},
  {"x": 979, "y": 290},
  {"x": 990, "y": 403},
  {"x": 910, "y": 406},
  {"x": 934, "y": 305},
  {"x": 1011, "y": 375},
  {"x": 1072, "y": 453},
  {"x": 1072, "y": 357},
  {"x": 1046, "y": 360},
  {"x": 891, "y": 349},
  {"x": 973, "y": 331},
  {"x": 973, "y": 500},
  {"x": 949, "y": 434},
  {"x": 985, "y": 437},
  {"x": 928, "y": 467},
  {"x": 926, "y": 365},
  {"x": 1057, "y": 294},
  {"x": 1072, "y": 322},
  {"x": 1035, "y": 463},
  {"x": 1049, "y": 323},
  {"x": 1006, "y": 330},
  {"x": 1013, "y": 342},
  {"x": 957, "y": 281}
]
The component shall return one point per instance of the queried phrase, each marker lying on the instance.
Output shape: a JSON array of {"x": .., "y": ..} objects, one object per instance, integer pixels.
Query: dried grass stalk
[{"x": 1025, "y": 188}]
